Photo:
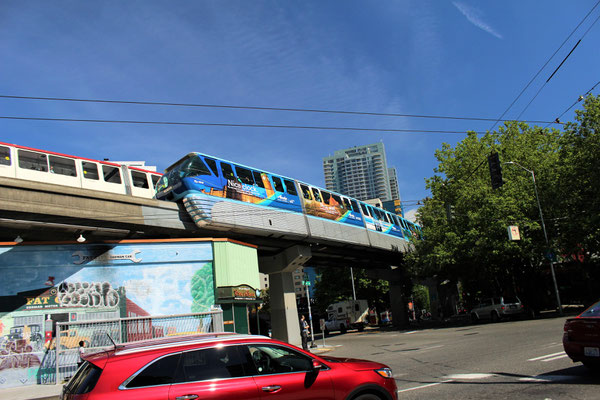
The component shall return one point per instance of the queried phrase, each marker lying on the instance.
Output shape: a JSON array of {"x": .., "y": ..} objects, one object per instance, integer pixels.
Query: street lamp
[{"x": 560, "y": 311}]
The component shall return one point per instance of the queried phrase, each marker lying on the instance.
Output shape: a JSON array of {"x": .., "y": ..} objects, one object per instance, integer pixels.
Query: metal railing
[{"x": 95, "y": 335}]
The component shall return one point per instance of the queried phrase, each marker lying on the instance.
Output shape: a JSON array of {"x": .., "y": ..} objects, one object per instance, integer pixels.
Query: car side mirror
[{"x": 316, "y": 366}]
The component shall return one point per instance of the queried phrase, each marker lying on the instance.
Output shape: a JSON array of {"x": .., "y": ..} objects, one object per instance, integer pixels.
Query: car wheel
[
  {"x": 367, "y": 396},
  {"x": 343, "y": 328},
  {"x": 495, "y": 316},
  {"x": 361, "y": 328}
]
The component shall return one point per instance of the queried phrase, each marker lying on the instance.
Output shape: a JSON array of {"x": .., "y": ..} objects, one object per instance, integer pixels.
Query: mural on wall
[
  {"x": 87, "y": 294},
  {"x": 43, "y": 285}
]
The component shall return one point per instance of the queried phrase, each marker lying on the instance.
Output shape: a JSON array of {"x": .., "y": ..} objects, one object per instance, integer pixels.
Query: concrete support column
[
  {"x": 398, "y": 305},
  {"x": 396, "y": 277},
  {"x": 285, "y": 325}
]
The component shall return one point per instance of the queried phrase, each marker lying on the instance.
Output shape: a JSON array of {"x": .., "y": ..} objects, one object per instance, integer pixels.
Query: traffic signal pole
[{"x": 556, "y": 293}]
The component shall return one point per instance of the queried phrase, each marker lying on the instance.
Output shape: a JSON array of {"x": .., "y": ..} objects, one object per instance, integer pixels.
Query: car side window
[
  {"x": 269, "y": 359},
  {"x": 160, "y": 372},
  {"x": 212, "y": 363}
]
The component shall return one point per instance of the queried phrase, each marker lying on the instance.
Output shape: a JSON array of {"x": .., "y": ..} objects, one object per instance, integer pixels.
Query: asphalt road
[{"x": 505, "y": 360}]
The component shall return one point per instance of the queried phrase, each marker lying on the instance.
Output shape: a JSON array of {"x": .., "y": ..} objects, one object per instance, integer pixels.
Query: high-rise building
[{"x": 361, "y": 172}]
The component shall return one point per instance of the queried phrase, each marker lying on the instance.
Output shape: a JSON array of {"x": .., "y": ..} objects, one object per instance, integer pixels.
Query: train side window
[
  {"x": 227, "y": 171},
  {"x": 139, "y": 180},
  {"x": 306, "y": 192},
  {"x": 326, "y": 197},
  {"x": 62, "y": 166},
  {"x": 315, "y": 192},
  {"x": 244, "y": 174},
  {"x": 388, "y": 218},
  {"x": 338, "y": 199},
  {"x": 4, "y": 155},
  {"x": 111, "y": 174},
  {"x": 395, "y": 218},
  {"x": 90, "y": 170},
  {"x": 31, "y": 160},
  {"x": 212, "y": 164},
  {"x": 354, "y": 206},
  {"x": 277, "y": 183},
  {"x": 347, "y": 204},
  {"x": 258, "y": 178},
  {"x": 290, "y": 187},
  {"x": 156, "y": 178},
  {"x": 365, "y": 210}
]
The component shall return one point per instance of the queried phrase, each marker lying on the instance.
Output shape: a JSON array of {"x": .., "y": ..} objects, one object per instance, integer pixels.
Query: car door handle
[
  {"x": 187, "y": 397},
  {"x": 271, "y": 389}
]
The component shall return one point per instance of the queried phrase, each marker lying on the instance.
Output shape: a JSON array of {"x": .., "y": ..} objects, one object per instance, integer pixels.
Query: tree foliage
[
  {"x": 335, "y": 284},
  {"x": 465, "y": 222}
]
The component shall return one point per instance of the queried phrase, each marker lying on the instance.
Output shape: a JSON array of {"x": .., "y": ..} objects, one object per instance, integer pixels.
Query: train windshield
[{"x": 193, "y": 167}]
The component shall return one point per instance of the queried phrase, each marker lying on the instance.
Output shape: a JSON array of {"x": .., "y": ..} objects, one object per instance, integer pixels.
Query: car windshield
[{"x": 593, "y": 311}]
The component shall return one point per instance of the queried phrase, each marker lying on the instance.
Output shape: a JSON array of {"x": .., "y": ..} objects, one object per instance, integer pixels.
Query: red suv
[{"x": 225, "y": 366}]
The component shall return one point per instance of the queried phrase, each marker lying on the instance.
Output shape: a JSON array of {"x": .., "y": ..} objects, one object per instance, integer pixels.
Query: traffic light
[{"x": 495, "y": 170}]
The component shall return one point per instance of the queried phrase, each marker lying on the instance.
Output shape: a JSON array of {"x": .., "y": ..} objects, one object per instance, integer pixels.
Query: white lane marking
[
  {"x": 549, "y": 378},
  {"x": 410, "y": 333},
  {"x": 450, "y": 378},
  {"x": 555, "y": 358},
  {"x": 546, "y": 356},
  {"x": 469, "y": 376},
  {"x": 431, "y": 347},
  {"x": 424, "y": 386}
]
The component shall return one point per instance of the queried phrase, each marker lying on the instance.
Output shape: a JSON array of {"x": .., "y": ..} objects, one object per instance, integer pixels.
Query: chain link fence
[{"x": 63, "y": 350}]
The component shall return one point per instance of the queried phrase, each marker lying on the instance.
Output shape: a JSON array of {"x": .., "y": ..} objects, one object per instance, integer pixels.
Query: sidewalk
[{"x": 32, "y": 392}]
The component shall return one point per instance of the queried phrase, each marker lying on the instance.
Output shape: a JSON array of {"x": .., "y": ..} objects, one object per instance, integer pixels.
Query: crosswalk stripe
[
  {"x": 546, "y": 356},
  {"x": 555, "y": 358}
]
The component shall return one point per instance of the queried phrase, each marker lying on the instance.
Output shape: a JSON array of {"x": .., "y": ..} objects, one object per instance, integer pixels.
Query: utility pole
[
  {"x": 558, "y": 303},
  {"x": 312, "y": 332},
  {"x": 353, "y": 291}
]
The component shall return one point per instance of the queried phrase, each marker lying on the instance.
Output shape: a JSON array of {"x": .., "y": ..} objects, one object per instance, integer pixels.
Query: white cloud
[{"x": 475, "y": 17}]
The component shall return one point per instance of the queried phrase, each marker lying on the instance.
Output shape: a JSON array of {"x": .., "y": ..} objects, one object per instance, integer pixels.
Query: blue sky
[{"x": 456, "y": 58}]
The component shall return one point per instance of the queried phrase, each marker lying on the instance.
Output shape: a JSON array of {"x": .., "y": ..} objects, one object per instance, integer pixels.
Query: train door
[{"x": 7, "y": 165}]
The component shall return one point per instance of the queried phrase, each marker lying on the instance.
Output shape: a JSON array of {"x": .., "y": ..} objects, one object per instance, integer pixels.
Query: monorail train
[
  {"x": 203, "y": 181},
  {"x": 61, "y": 169}
]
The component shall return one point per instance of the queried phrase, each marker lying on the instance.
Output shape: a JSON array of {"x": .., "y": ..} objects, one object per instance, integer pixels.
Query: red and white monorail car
[{"x": 49, "y": 167}]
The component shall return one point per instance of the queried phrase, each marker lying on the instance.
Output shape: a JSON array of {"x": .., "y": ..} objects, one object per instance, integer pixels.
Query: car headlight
[{"x": 385, "y": 372}]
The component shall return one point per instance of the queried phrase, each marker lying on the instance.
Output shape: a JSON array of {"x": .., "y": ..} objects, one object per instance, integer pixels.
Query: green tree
[
  {"x": 465, "y": 222},
  {"x": 335, "y": 284}
]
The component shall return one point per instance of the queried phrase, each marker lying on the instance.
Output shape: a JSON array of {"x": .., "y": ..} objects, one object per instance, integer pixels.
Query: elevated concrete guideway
[
  {"x": 39, "y": 212},
  {"x": 45, "y": 212}
]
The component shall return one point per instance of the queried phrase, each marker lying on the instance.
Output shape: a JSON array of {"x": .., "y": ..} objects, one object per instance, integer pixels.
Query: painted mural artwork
[
  {"x": 41, "y": 288},
  {"x": 87, "y": 294}
]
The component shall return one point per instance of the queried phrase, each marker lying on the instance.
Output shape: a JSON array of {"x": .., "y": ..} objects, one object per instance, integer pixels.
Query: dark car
[
  {"x": 225, "y": 366},
  {"x": 581, "y": 338}
]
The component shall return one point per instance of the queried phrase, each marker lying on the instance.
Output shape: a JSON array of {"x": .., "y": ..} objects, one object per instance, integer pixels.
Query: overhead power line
[
  {"x": 310, "y": 110},
  {"x": 544, "y": 66},
  {"x": 581, "y": 97},
  {"x": 557, "y": 68},
  {"x": 175, "y": 123}
]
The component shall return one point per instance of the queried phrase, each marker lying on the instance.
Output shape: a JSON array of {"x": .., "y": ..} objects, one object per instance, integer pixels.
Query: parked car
[
  {"x": 581, "y": 338},
  {"x": 225, "y": 366},
  {"x": 497, "y": 308}
]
